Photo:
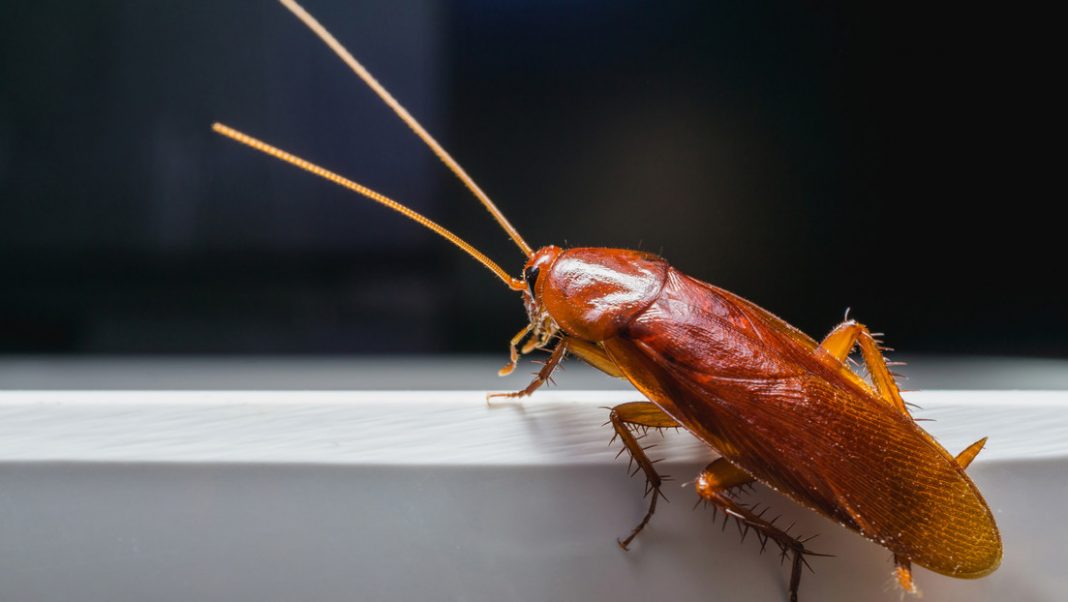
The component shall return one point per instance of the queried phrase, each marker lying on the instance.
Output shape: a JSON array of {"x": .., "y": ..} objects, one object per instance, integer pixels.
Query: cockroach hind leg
[
  {"x": 840, "y": 342},
  {"x": 640, "y": 414},
  {"x": 903, "y": 576},
  {"x": 964, "y": 458},
  {"x": 712, "y": 485}
]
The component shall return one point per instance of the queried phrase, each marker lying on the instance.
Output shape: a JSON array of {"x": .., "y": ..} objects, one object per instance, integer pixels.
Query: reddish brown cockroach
[{"x": 776, "y": 405}]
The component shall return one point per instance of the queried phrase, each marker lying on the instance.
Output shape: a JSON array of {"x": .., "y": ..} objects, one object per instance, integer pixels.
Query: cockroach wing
[{"x": 759, "y": 392}]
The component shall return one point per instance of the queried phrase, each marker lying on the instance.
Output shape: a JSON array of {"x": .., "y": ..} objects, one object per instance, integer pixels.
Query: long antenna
[
  {"x": 401, "y": 112},
  {"x": 513, "y": 283}
]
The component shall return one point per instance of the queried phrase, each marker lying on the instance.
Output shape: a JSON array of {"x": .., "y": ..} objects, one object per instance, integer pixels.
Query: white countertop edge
[{"x": 554, "y": 427}]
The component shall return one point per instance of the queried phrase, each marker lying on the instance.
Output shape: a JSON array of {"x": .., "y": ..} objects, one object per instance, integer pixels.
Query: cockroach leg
[
  {"x": 903, "y": 572},
  {"x": 648, "y": 415},
  {"x": 592, "y": 354},
  {"x": 720, "y": 477},
  {"x": 840, "y": 342},
  {"x": 513, "y": 351},
  {"x": 534, "y": 343},
  {"x": 712, "y": 485},
  {"x": 543, "y": 375},
  {"x": 965, "y": 457}
]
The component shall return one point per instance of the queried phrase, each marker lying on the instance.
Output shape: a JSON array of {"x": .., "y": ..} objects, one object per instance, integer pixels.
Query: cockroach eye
[{"x": 531, "y": 276}]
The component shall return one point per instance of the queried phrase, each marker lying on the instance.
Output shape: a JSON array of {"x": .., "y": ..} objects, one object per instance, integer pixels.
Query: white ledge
[
  {"x": 395, "y": 496},
  {"x": 429, "y": 428}
]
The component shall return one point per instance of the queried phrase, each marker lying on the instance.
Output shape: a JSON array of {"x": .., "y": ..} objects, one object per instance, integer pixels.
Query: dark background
[{"x": 809, "y": 156}]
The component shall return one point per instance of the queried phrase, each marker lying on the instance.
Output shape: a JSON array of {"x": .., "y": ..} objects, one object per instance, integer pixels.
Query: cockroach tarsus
[{"x": 777, "y": 406}]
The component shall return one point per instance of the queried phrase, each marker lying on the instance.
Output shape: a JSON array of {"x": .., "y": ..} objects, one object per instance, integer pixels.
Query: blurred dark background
[{"x": 809, "y": 156}]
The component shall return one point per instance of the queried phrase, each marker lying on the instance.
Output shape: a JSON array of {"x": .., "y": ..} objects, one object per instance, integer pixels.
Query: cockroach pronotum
[{"x": 778, "y": 407}]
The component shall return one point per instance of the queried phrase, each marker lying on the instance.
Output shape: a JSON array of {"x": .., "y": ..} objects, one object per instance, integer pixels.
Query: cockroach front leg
[
  {"x": 646, "y": 415},
  {"x": 543, "y": 375},
  {"x": 713, "y": 486},
  {"x": 513, "y": 351}
]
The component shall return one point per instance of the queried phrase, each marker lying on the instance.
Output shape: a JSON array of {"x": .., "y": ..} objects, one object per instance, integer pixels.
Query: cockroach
[{"x": 778, "y": 407}]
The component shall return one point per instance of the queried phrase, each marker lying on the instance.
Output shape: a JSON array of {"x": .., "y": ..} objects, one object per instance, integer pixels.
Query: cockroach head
[
  {"x": 538, "y": 264},
  {"x": 540, "y": 260}
]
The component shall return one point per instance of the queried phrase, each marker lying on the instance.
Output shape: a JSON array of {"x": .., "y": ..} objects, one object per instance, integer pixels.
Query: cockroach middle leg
[
  {"x": 646, "y": 415},
  {"x": 839, "y": 343},
  {"x": 720, "y": 477},
  {"x": 714, "y": 483},
  {"x": 594, "y": 355},
  {"x": 543, "y": 375}
]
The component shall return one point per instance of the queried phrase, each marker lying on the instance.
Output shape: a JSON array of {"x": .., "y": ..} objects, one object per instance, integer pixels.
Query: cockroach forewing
[{"x": 753, "y": 388}]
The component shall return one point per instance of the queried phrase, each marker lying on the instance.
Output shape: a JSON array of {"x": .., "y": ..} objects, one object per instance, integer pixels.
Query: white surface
[
  {"x": 435, "y": 496},
  {"x": 429, "y": 428}
]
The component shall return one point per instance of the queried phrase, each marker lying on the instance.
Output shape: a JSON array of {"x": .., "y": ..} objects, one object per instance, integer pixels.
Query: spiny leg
[
  {"x": 840, "y": 342},
  {"x": 648, "y": 415},
  {"x": 543, "y": 375},
  {"x": 713, "y": 485}
]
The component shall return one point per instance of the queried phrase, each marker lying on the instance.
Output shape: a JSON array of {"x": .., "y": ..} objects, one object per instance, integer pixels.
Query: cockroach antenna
[
  {"x": 407, "y": 118},
  {"x": 513, "y": 283}
]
